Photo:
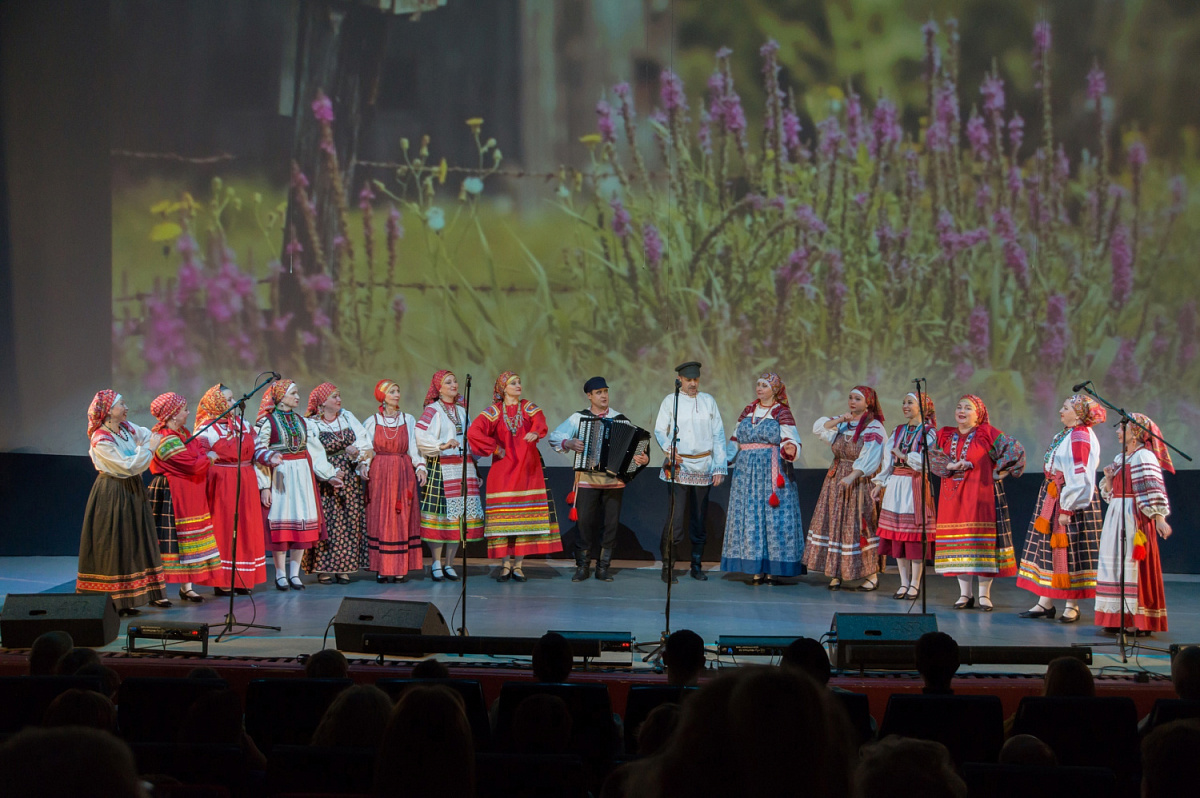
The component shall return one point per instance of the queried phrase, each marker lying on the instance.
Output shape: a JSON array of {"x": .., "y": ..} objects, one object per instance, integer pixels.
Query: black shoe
[
  {"x": 758, "y": 579},
  {"x": 449, "y": 573},
  {"x": 128, "y": 612},
  {"x": 399, "y": 579},
  {"x": 436, "y": 573},
  {"x": 518, "y": 575},
  {"x": 698, "y": 574},
  {"x": 281, "y": 583},
  {"x": 162, "y": 604},
  {"x": 772, "y": 581},
  {"x": 295, "y": 583},
  {"x": 220, "y": 591},
  {"x": 1069, "y": 618},
  {"x": 343, "y": 579},
  {"x": 381, "y": 579},
  {"x": 191, "y": 595},
  {"x": 325, "y": 579},
  {"x": 602, "y": 572},
  {"x": 1038, "y": 613},
  {"x": 965, "y": 603},
  {"x": 868, "y": 587},
  {"x": 505, "y": 574},
  {"x": 582, "y": 572},
  {"x": 668, "y": 576},
  {"x": 986, "y": 607},
  {"x": 243, "y": 591}
]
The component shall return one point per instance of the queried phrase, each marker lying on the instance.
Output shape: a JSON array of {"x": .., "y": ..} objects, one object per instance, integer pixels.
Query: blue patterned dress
[{"x": 762, "y": 537}]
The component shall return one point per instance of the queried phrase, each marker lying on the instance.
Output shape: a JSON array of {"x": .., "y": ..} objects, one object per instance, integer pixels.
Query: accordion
[{"x": 609, "y": 446}]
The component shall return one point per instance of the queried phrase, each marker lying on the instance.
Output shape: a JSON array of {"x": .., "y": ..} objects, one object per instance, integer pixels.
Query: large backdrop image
[{"x": 844, "y": 193}]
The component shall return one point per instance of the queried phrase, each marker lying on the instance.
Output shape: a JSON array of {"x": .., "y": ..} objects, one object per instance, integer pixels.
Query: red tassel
[
  {"x": 862, "y": 541},
  {"x": 1139, "y": 553},
  {"x": 573, "y": 515},
  {"x": 779, "y": 483},
  {"x": 773, "y": 501},
  {"x": 571, "y": 497}
]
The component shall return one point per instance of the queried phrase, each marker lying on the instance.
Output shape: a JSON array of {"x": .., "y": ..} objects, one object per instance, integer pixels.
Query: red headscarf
[
  {"x": 271, "y": 397},
  {"x": 1153, "y": 444},
  {"x": 501, "y": 382},
  {"x": 874, "y": 411},
  {"x": 927, "y": 408},
  {"x": 318, "y": 397},
  {"x": 1088, "y": 410},
  {"x": 772, "y": 379},
  {"x": 98, "y": 410},
  {"x": 164, "y": 407},
  {"x": 435, "y": 388},
  {"x": 980, "y": 407},
  {"x": 211, "y": 405},
  {"x": 381, "y": 389}
]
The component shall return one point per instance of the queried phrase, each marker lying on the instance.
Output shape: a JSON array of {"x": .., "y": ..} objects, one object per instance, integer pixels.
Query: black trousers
[
  {"x": 599, "y": 510},
  {"x": 691, "y": 507}
]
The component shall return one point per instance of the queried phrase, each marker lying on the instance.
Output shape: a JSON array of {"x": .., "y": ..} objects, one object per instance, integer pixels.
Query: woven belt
[{"x": 700, "y": 456}]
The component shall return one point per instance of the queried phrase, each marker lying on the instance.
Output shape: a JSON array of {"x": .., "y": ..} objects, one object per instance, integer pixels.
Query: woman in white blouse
[
  {"x": 842, "y": 541},
  {"x": 396, "y": 472},
  {"x": 118, "y": 547}
]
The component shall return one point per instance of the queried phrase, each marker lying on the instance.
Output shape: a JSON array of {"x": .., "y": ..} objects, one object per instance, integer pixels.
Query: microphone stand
[
  {"x": 655, "y": 656},
  {"x": 462, "y": 519},
  {"x": 924, "y": 449},
  {"x": 1126, "y": 420},
  {"x": 231, "y": 619}
]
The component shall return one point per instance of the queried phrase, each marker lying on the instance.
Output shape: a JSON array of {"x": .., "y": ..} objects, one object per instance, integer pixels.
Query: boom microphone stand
[
  {"x": 230, "y": 619},
  {"x": 924, "y": 449},
  {"x": 462, "y": 518},
  {"x": 1126, "y": 420},
  {"x": 672, "y": 470}
]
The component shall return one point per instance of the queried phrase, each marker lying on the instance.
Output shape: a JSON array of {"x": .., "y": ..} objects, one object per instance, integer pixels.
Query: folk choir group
[{"x": 327, "y": 494}]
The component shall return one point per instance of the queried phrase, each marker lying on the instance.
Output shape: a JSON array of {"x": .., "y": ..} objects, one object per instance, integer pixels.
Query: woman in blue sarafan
[{"x": 764, "y": 535}]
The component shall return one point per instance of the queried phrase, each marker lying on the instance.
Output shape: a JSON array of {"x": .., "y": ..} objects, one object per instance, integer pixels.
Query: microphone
[
  {"x": 920, "y": 379},
  {"x": 678, "y": 383},
  {"x": 468, "y": 379},
  {"x": 275, "y": 375},
  {"x": 1081, "y": 386}
]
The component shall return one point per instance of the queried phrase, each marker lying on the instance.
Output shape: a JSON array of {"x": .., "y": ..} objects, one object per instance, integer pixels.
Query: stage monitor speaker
[
  {"x": 90, "y": 618},
  {"x": 359, "y": 616},
  {"x": 878, "y": 639}
]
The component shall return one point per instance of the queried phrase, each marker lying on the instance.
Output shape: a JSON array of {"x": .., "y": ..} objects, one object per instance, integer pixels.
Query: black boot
[
  {"x": 581, "y": 568},
  {"x": 697, "y": 570},
  {"x": 668, "y": 576},
  {"x": 602, "y": 565}
]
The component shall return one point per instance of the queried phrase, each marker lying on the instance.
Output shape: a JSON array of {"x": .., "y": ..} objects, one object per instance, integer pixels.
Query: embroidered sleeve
[
  {"x": 171, "y": 446},
  {"x": 481, "y": 434},
  {"x": 787, "y": 431},
  {"x": 888, "y": 461},
  {"x": 1079, "y": 480},
  {"x": 1008, "y": 454},
  {"x": 108, "y": 458},
  {"x": 827, "y": 435},
  {"x": 1149, "y": 489},
  {"x": 939, "y": 455},
  {"x": 871, "y": 455}
]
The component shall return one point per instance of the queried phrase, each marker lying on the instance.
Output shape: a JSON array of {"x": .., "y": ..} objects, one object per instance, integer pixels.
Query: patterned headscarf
[
  {"x": 435, "y": 388},
  {"x": 980, "y": 407},
  {"x": 874, "y": 411},
  {"x": 98, "y": 410},
  {"x": 318, "y": 396},
  {"x": 927, "y": 408},
  {"x": 211, "y": 405},
  {"x": 772, "y": 379},
  {"x": 501, "y": 382},
  {"x": 1089, "y": 411},
  {"x": 1153, "y": 444},
  {"x": 164, "y": 408},
  {"x": 271, "y": 397}
]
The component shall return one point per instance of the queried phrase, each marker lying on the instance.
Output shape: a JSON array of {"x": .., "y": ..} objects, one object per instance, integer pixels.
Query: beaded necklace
[
  {"x": 754, "y": 419},
  {"x": 1048, "y": 457},
  {"x": 451, "y": 411},
  {"x": 514, "y": 423},
  {"x": 293, "y": 436},
  {"x": 337, "y": 419},
  {"x": 121, "y": 433},
  {"x": 391, "y": 436},
  {"x": 907, "y": 436}
]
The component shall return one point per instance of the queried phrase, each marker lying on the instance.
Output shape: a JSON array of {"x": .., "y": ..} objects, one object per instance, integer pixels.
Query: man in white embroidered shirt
[
  {"x": 698, "y": 463},
  {"x": 596, "y": 499}
]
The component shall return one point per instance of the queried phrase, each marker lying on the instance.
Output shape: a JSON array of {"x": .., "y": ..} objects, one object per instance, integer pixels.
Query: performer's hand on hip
[
  {"x": 574, "y": 444},
  {"x": 265, "y": 494},
  {"x": 718, "y": 479}
]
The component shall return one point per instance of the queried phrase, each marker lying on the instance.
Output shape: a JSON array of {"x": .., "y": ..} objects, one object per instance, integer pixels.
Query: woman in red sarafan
[
  {"x": 179, "y": 502},
  {"x": 222, "y": 439},
  {"x": 519, "y": 515}
]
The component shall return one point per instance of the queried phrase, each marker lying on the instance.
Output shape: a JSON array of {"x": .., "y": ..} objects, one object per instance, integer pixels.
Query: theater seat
[
  {"x": 154, "y": 709},
  {"x": 288, "y": 711},
  {"x": 1084, "y": 732},
  {"x": 642, "y": 700},
  {"x": 24, "y": 698},
  {"x": 530, "y": 776},
  {"x": 970, "y": 726},
  {"x": 471, "y": 692},
  {"x": 1005, "y": 781}
]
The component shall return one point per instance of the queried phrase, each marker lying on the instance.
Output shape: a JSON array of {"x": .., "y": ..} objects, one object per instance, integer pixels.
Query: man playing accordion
[{"x": 596, "y": 500}]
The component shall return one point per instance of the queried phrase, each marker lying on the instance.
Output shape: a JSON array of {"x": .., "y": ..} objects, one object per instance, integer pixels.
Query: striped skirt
[{"x": 186, "y": 556}]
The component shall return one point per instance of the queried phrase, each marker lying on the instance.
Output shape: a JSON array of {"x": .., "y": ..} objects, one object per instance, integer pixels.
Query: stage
[{"x": 634, "y": 602}]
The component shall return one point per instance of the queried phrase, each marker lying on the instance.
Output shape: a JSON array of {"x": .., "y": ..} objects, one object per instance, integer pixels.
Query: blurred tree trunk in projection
[{"x": 340, "y": 52}]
